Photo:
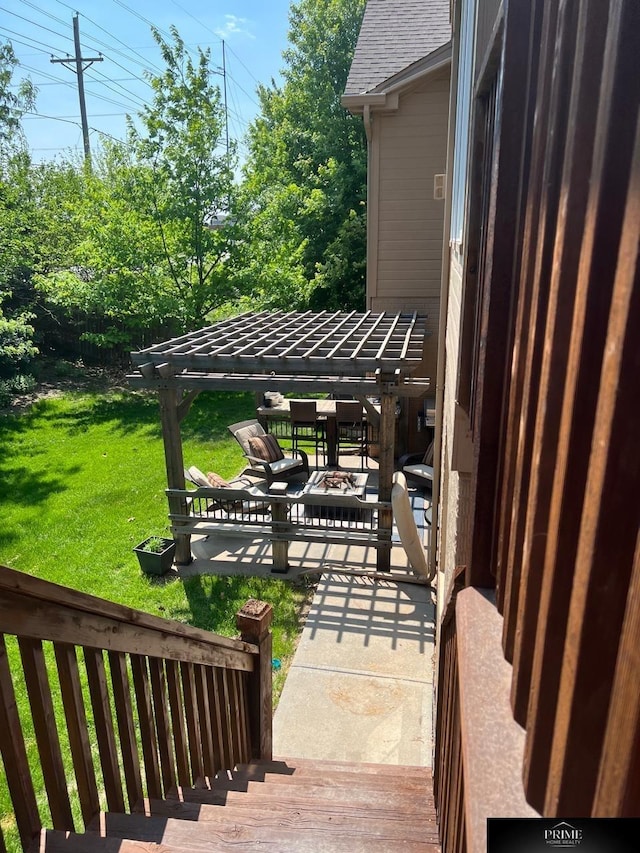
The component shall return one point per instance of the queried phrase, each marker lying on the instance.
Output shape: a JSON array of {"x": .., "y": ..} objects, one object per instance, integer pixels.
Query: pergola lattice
[{"x": 353, "y": 353}]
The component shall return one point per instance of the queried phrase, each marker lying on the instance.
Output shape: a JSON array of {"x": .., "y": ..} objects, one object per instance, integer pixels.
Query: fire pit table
[{"x": 334, "y": 487}]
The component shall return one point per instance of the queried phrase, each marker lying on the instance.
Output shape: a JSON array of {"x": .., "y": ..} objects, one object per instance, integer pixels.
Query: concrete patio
[{"x": 360, "y": 687}]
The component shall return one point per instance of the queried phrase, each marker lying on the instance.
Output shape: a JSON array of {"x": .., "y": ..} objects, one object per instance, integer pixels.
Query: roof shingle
[{"x": 395, "y": 34}]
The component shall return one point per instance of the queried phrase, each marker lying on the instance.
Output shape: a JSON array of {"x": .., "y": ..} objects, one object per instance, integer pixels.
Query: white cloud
[{"x": 234, "y": 26}]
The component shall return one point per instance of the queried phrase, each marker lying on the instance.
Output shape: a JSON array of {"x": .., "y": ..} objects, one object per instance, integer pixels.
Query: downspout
[
  {"x": 366, "y": 116},
  {"x": 442, "y": 322}
]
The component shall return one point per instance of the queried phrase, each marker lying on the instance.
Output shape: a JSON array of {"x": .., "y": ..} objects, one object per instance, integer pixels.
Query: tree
[
  {"x": 106, "y": 256},
  {"x": 181, "y": 144},
  {"x": 12, "y": 104},
  {"x": 143, "y": 253},
  {"x": 305, "y": 180},
  {"x": 16, "y": 224}
]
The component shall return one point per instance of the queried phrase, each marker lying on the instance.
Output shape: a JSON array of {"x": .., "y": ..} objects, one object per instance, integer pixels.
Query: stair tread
[
  {"x": 325, "y": 778},
  {"x": 242, "y": 780},
  {"x": 340, "y": 805},
  {"x": 323, "y": 764},
  {"x": 317, "y": 820},
  {"x": 58, "y": 841},
  {"x": 184, "y": 834}
]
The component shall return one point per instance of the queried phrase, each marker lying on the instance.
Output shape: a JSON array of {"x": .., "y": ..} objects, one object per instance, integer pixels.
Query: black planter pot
[{"x": 156, "y": 563}]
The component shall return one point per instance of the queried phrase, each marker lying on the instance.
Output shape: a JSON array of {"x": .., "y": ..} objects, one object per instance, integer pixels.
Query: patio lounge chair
[
  {"x": 242, "y": 488},
  {"x": 265, "y": 454}
]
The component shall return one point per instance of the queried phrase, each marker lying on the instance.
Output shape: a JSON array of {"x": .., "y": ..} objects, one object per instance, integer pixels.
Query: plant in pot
[{"x": 155, "y": 554}]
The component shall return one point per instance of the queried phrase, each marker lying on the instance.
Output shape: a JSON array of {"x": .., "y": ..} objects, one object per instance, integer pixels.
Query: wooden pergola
[{"x": 361, "y": 354}]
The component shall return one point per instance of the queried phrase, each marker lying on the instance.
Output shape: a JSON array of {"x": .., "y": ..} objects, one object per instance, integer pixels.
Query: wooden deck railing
[{"x": 149, "y": 704}]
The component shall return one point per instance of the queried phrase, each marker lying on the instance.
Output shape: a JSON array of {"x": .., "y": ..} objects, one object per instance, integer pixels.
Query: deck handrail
[
  {"x": 167, "y": 706},
  {"x": 15, "y": 585}
]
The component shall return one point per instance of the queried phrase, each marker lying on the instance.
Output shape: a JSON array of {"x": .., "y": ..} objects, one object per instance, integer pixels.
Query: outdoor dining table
[{"x": 325, "y": 410}]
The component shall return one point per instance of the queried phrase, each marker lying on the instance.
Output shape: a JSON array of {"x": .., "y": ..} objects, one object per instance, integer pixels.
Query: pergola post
[
  {"x": 172, "y": 440},
  {"x": 385, "y": 477}
]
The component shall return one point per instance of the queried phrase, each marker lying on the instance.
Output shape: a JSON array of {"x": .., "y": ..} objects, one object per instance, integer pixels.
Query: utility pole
[
  {"x": 80, "y": 67},
  {"x": 226, "y": 109}
]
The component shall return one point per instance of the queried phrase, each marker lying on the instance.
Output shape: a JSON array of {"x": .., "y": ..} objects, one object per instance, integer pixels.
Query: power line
[
  {"x": 66, "y": 83},
  {"x": 34, "y": 23},
  {"x": 35, "y": 116},
  {"x": 12, "y": 38},
  {"x": 44, "y": 12},
  {"x": 142, "y": 18},
  {"x": 93, "y": 94},
  {"x": 141, "y": 61},
  {"x": 255, "y": 79},
  {"x": 251, "y": 98},
  {"x": 106, "y": 83}
]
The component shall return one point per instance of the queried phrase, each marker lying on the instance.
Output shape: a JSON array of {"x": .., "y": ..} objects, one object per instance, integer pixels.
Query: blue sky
[{"x": 254, "y": 32}]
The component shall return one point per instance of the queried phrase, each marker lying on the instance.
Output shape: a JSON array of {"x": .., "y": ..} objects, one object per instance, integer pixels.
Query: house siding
[{"x": 409, "y": 147}]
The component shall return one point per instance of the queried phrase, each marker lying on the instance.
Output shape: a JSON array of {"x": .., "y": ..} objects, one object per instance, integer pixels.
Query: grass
[{"x": 83, "y": 481}]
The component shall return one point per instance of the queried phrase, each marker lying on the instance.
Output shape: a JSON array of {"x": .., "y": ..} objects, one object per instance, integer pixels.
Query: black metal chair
[
  {"x": 351, "y": 431},
  {"x": 306, "y": 427}
]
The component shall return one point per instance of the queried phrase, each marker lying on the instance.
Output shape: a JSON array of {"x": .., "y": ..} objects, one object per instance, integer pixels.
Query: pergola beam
[{"x": 301, "y": 384}]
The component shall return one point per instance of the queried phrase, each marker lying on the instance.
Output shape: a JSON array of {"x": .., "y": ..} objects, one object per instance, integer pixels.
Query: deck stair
[{"x": 289, "y": 804}]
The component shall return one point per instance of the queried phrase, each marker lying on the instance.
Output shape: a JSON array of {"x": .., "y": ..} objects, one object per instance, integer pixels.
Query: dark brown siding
[{"x": 552, "y": 362}]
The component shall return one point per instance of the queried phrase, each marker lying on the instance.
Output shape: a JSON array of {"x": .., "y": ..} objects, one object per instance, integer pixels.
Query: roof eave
[{"x": 385, "y": 95}]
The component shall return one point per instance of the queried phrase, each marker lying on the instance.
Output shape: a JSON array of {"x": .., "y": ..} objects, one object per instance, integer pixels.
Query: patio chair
[
  {"x": 419, "y": 468},
  {"x": 234, "y": 506},
  {"x": 351, "y": 431},
  {"x": 265, "y": 454},
  {"x": 307, "y": 427}
]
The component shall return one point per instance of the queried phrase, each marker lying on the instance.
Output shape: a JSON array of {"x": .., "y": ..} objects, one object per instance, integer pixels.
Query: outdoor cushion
[
  {"x": 420, "y": 470},
  {"x": 283, "y": 466},
  {"x": 216, "y": 480},
  {"x": 197, "y": 477},
  {"x": 242, "y": 435},
  {"x": 265, "y": 447}
]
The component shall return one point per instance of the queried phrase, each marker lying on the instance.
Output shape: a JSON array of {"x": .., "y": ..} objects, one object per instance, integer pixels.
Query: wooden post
[
  {"x": 385, "y": 476},
  {"x": 253, "y": 622},
  {"x": 279, "y": 515},
  {"x": 175, "y": 466}
]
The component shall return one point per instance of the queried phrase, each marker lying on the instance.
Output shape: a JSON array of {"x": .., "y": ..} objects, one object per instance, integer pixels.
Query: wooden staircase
[
  {"x": 152, "y": 711},
  {"x": 287, "y": 805}
]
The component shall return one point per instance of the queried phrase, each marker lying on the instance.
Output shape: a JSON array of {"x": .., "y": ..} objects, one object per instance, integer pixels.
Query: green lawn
[{"x": 83, "y": 481}]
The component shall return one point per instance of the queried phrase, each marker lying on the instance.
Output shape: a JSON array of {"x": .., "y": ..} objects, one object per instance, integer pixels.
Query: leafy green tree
[
  {"x": 107, "y": 258},
  {"x": 181, "y": 143},
  {"x": 305, "y": 179},
  {"x": 12, "y": 104},
  {"x": 143, "y": 252},
  {"x": 17, "y": 215}
]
